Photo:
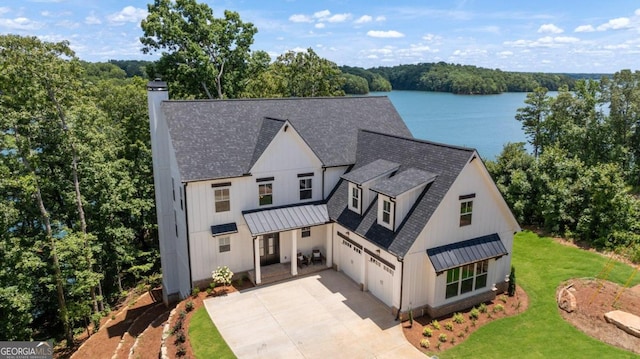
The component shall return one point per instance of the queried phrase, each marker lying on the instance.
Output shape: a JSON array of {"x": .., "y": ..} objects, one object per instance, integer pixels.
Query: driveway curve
[{"x": 324, "y": 315}]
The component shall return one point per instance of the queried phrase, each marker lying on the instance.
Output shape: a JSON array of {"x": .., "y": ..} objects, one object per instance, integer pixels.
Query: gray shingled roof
[
  {"x": 444, "y": 160},
  {"x": 465, "y": 252},
  {"x": 403, "y": 181},
  {"x": 285, "y": 218},
  {"x": 219, "y": 138},
  {"x": 370, "y": 171}
]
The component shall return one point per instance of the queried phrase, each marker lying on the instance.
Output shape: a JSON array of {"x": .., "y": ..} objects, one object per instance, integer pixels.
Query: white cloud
[
  {"x": 615, "y": 24},
  {"x": 364, "y": 19},
  {"x": 385, "y": 34},
  {"x": 372, "y": 56},
  {"x": 92, "y": 20},
  {"x": 339, "y": 17},
  {"x": 380, "y": 18},
  {"x": 637, "y": 12},
  {"x": 20, "y": 23},
  {"x": 300, "y": 18},
  {"x": 547, "y": 41},
  {"x": 565, "y": 39},
  {"x": 617, "y": 47},
  {"x": 298, "y": 49},
  {"x": 505, "y": 53},
  {"x": 584, "y": 28},
  {"x": 550, "y": 29},
  {"x": 431, "y": 37},
  {"x": 320, "y": 25},
  {"x": 321, "y": 14},
  {"x": 127, "y": 14},
  {"x": 68, "y": 24},
  {"x": 4, "y": 10}
]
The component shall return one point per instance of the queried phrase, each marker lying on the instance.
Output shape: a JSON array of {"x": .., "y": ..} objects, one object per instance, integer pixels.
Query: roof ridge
[
  {"x": 413, "y": 139},
  {"x": 278, "y": 99}
]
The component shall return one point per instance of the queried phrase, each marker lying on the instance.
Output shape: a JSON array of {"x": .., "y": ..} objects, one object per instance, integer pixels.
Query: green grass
[
  {"x": 206, "y": 341},
  {"x": 541, "y": 266}
]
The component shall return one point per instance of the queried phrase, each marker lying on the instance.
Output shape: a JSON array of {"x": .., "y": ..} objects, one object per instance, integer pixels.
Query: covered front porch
[{"x": 289, "y": 241}]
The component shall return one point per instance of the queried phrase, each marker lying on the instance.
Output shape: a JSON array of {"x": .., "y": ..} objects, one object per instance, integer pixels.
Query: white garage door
[
  {"x": 380, "y": 280},
  {"x": 350, "y": 258}
]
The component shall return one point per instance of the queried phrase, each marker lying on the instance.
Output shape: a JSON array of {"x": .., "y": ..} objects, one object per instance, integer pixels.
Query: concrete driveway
[{"x": 323, "y": 315}]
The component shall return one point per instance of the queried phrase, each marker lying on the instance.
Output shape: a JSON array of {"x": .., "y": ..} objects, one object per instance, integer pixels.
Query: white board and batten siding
[
  {"x": 490, "y": 215},
  {"x": 374, "y": 275},
  {"x": 284, "y": 159}
]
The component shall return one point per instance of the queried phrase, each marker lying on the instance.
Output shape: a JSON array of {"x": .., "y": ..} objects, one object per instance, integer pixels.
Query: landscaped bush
[
  {"x": 498, "y": 308},
  {"x": 425, "y": 343},
  {"x": 180, "y": 337},
  {"x": 427, "y": 332},
  {"x": 195, "y": 291},
  {"x": 181, "y": 350},
  {"x": 442, "y": 338},
  {"x": 511, "y": 288},
  {"x": 482, "y": 308},
  {"x": 435, "y": 324},
  {"x": 448, "y": 326},
  {"x": 222, "y": 275},
  {"x": 188, "y": 306},
  {"x": 458, "y": 318},
  {"x": 474, "y": 314},
  {"x": 177, "y": 326},
  {"x": 503, "y": 298}
]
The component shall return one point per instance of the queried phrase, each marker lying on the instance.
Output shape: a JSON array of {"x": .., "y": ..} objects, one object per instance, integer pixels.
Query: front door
[{"x": 270, "y": 249}]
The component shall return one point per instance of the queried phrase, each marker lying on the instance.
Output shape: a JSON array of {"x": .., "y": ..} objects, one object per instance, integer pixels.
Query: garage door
[
  {"x": 380, "y": 279},
  {"x": 350, "y": 257}
]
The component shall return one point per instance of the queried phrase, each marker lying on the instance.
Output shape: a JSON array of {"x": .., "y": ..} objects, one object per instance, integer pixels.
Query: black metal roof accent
[
  {"x": 223, "y": 138},
  {"x": 226, "y": 228},
  {"x": 473, "y": 250},
  {"x": 285, "y": 218}
]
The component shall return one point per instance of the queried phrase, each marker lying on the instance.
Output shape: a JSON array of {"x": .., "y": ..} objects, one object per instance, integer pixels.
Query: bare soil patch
[
  {"x": 594, "y": 298},
  {"x": 502, "y": 306}
]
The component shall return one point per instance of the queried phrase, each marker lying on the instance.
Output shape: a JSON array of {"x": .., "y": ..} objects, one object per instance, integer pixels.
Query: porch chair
[
  {"x": 316, "y": 256},
  {"x": 302, "y": 260}
]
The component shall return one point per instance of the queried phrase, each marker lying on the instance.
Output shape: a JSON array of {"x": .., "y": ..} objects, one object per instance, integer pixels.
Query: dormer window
[
  {"x": 355, "y": 199},
  {"x": 386, "y": 212}
]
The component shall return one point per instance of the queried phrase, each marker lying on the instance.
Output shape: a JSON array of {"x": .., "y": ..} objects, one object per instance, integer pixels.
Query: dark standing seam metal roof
[
  {"x": 444, "y": 160},
  {"x": 220, "y": 138},
  {"x": 465, "y": 252},
  {"x": 370, "y": 171},
  {"x": 285, "y": 218},
  {"x": 226, "y": 228},
  {"x": 403, "y": 181}
]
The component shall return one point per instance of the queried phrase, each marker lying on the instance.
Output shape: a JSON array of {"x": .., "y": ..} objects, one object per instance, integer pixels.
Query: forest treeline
[{"x": 582, "y": 177}]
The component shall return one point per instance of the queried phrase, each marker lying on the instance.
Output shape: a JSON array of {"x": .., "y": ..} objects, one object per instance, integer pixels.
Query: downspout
[
  {"x": 324, "y": 169},
  {"x": 186, "y": 228},
  {"x": 393, "y": 225},
  {"x": 401, "y": 260}
]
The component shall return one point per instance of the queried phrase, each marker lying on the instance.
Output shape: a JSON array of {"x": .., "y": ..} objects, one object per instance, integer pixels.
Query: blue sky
[{"x": 540, "y": 35}]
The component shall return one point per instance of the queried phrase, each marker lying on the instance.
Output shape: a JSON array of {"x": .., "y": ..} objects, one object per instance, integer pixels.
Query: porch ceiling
[
  {"x": 285, "y": 218},
  {"x": 465, "y": 252}
]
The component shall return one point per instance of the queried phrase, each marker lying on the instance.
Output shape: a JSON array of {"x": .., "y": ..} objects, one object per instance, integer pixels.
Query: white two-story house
[{"x": 251, "y": 183}]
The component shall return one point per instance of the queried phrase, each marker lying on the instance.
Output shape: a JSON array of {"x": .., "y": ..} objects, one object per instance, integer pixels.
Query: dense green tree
[
  {"x": 133, "y": 67},
  {"x": 355, "y": 85},
  {"x": 201, "y": 55},
  {"x": 533, "y": 117}
]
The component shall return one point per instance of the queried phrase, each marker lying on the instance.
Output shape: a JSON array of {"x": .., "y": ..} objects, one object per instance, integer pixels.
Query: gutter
[
  {"x": 401, "y": 260},
  {"x": 186, "y": 227}
]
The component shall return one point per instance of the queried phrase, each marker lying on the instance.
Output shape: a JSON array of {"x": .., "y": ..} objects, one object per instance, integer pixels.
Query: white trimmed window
[
  {"x": 305, "y": 232},
  {"x": 224, "y": 244},
  {"x": 354, "y": 201},
  {"x": 306, "y": 191},
  {"x": 265, "y": 193},
  {"x": 466, "y": 278},
  {"x": 222, "y": 200},
  {"x": 386, "y": 211},
  {"x": 466, "y": 210}
]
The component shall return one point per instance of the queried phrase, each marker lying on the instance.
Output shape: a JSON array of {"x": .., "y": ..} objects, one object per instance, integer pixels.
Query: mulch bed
[
  {"x": 595, "y": 298},
  {"x": 502, "y": 306}
]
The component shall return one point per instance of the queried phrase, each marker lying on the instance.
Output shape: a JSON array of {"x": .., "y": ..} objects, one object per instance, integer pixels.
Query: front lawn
[
  {"x": 540, "y": 332},
  {"x": 205, "y": 339}
]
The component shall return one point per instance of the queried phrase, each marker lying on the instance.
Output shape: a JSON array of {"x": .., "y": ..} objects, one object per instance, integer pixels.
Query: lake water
[{"x": 484, "y": 122}]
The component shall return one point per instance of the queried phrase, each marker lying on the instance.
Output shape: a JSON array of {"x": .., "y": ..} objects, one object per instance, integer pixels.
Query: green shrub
[
  {"x": 473, "y": 322},
  {"x": 439, "y": 345},
  {"x": 503, "y": 298},
  {"x": 209, "y": 290},
  {"x": 195, "y": 291},
  {"x": 482, "y": 308},
  {"x": 180, "y": 337},
  {"x": 188, "y": 306},
  {"x": 474, "y": 314},
  {"x": 458, "y": 318},
  {"x": 182, "y": 315},
  {"x": 461, "y": 334},
  {"x": 222, "y": 275},
  {"x": 498, "y": 308},
  {"x": 453, "y": 340},
  {"x": 435, "y": 324},
  {"x": 448, "y": 326},
  {"x": 442, "y": 338},
  {"x": 177, "y": 326},
  {"x": 181, "y": 350},
  {"x": 511, "y": 288},
  {"x": 427, "y": 332},
  {"x": 425, "y": 343}
]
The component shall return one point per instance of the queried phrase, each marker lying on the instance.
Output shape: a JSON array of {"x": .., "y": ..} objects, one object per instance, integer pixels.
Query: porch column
[
  {"x": 294, "y": 252},
  {"x": 329, "y": 254},
  {"x": 256, "y": 258}
]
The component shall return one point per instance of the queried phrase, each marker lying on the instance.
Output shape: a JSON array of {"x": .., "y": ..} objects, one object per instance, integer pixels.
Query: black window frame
[
  {"x": 220, "y": 202},
  {"x": 265, "y": 199}
]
